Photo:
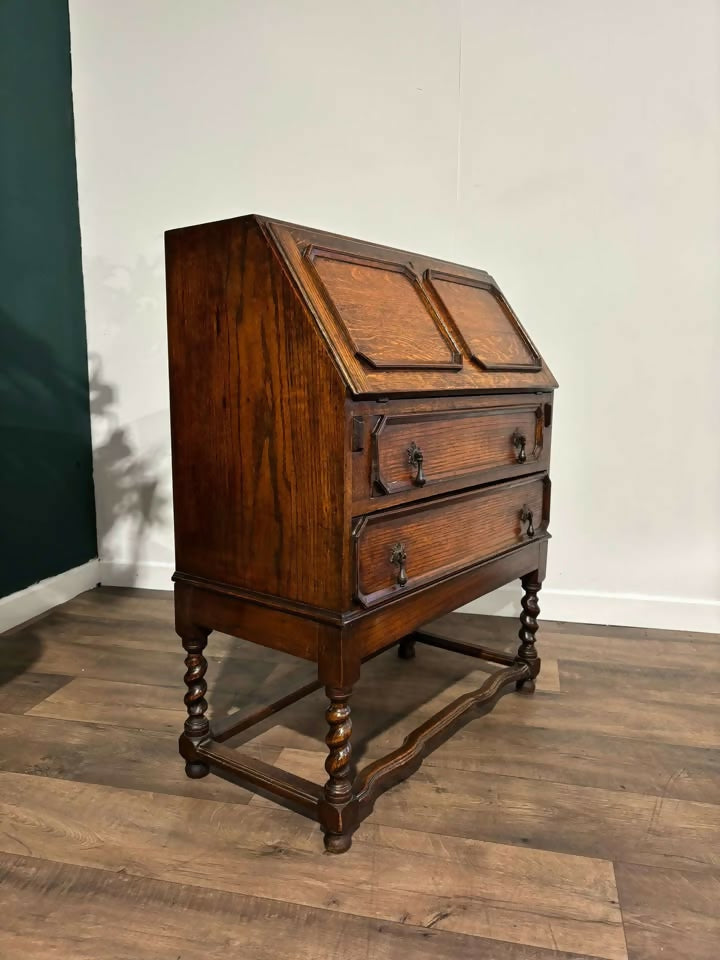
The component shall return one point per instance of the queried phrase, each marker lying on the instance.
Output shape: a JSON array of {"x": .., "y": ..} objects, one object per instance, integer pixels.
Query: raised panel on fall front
[
  {"x": 484, "y": 320},
  {"x": 384, "y": 311}
]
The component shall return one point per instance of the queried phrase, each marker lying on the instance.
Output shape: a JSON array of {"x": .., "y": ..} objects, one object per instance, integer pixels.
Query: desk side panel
[{"x": 258, "y": 422}]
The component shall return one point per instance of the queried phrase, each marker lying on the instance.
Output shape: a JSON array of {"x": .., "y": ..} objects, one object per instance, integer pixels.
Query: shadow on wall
[
  {"x": 128, "y": 495},
  {"x": 131, "y": 491},
  {"x": 49, "y": 519}
]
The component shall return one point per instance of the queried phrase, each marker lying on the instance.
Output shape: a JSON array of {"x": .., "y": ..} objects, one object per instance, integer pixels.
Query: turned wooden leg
[
  {"x": 339, "y": 801},
  {"x": 197, "y": 726},
  {"x": 406, "y": 648},
  {"x": 528, "y": 628}
]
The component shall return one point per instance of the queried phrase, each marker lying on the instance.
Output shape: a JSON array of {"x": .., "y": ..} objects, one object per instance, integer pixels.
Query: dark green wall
[{"x": 47, "y": 512}]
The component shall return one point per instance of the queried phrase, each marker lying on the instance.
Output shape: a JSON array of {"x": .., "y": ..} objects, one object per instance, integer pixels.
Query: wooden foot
[
  {"x": 197, "y": 726},
  {"x": 406, "y": 648},
  {"x": 196, "y": 769},
  {"x": 528, "y": 628},
  {"x": 338, "y": 842},
  {"x": 338, "y": 808}
]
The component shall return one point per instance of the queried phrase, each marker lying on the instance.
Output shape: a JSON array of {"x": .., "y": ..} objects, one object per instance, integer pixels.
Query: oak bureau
[{"x": 361, "y": 443}]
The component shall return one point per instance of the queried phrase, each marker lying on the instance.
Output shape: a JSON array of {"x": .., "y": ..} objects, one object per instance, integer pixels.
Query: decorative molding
[
  {"x": 574, "y": 606},
  {"x": 377, "y": 776},
  {"x": 463, "y": 474},
  {"x": 314, "y": 252},
  {"x": 432, "y": 277},
  {"x": 37, "y": 599},
  {"x": 438, "y": 572}
]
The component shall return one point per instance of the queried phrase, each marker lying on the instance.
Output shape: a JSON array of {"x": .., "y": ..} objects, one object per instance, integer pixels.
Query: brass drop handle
[
  {"x": 415, "y": 459},
  {"x": 519, "y": 441},
  {"x": 526, "y": 515},
  {"x": 398, "y": 558}
]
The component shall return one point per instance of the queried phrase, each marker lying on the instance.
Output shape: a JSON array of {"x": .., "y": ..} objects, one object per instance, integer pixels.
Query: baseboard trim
[
  {"x": 616, "y": 609},
  {"x": 40, "y": 597},
  {"x": 573, "y": 606},
  {"x": 148, "y": 575}
]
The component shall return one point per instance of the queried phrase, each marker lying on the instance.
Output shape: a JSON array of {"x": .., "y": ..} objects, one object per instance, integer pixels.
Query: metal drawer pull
[
  {"x": 526, "y": 515},
  {"x": 398, "y": 557},
  {"x": 415, "y": 459},
  {"x": 519, "y": 441}
]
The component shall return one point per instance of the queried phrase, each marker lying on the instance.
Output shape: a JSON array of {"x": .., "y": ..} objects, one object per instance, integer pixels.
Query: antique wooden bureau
[{"x": 361, "y": 442}]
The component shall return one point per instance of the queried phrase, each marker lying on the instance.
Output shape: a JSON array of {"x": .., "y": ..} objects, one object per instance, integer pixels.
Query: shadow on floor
[
  {"x": 389, "y": 690},
  {"x": 22, "y": 647}
]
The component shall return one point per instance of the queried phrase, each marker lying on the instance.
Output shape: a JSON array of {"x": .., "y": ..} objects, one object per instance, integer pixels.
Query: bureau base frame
[{"x": 348, "y": 797}]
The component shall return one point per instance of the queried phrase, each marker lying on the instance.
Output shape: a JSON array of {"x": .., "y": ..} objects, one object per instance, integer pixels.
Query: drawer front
[
  {"x": 468, "y": 446},
  {"x": 397, "y": 550}
]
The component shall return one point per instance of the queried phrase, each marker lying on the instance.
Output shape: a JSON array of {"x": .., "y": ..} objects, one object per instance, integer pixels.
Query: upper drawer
[
  {"x": 396, "y": 550},
  {"x": 464, "y": 446}
]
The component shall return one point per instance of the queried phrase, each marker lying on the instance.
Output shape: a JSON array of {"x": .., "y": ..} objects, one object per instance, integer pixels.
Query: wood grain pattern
[
  {"x": 407, "y": 611},
  {"x": 593, "y": 643},
  {"x": 275, "y": 333},
  {"x": 586, "y": 840},
  {"x": 389, "y": 321},
  {"x": 363, "y": 380},
  {"x": 111, "y": 755},
  {"x": 262, "y": 621},
  {"x": 669, "y": 913},
  {"x": 378, "y": 775},
  {"x": 136, "y": 918},
  {"x": 442, "y": 536},
  {"x": 246, "y": 363},
  {"x": 584, "y": 821},
  {"x": 676, "y": 723},
  {"x": 367, "y": 495},
  {"x": 390, "y": 704},
  {"x": 490, "y": 330},
  {"x": 21, "y": 691},
  {"x": 397, "y": 874},
  {"x": 132, "y": 705},
  {"x": 584, "y": 758},
  {"x": 136, "y": 608},
  {"x": 460, "y": 446}
]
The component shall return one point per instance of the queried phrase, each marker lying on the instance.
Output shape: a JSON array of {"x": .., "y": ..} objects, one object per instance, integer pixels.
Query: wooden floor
[{"x": 581, "y": 822}]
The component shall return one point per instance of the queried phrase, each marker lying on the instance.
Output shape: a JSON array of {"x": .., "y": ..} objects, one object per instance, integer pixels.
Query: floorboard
[
  {"x": 404, "y": 876},
  {"x": 134, "y": 918},
  {"x": 22, "y": 691},
  {"x": 670, "y": 913},
  {"x": 110, "y": 756},
  {"x": 582, "y": 822},
  {"x": 544, "y": 815}
]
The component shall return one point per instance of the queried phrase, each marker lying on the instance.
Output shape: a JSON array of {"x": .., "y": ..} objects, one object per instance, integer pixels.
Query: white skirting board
[
  {"x": 43, "y": 596},
  {"x": 147, "y": 575},
  {"x": 575, "y": 606},
  {"x": 617, "y": 609}
]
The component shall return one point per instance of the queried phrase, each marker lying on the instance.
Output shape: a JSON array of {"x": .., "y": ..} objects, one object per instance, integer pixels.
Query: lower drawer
[{"x": 397, "y": 550}]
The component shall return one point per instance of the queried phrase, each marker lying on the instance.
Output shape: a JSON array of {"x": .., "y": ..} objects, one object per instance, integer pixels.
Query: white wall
[{"x": 573, "y": 149}]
